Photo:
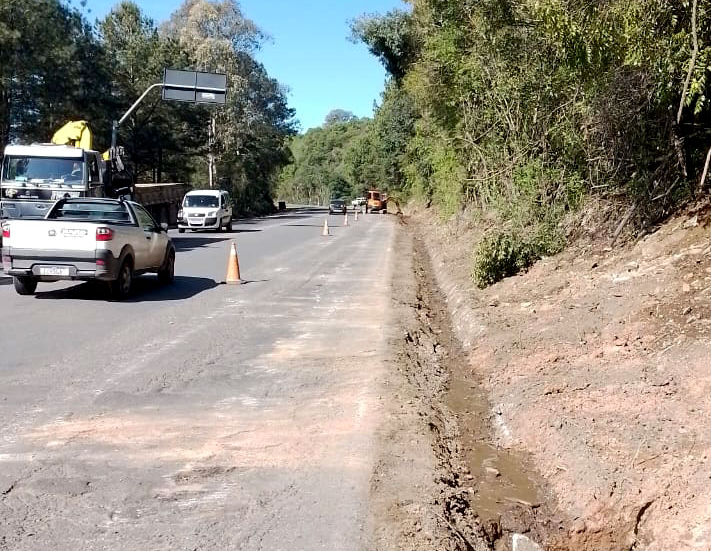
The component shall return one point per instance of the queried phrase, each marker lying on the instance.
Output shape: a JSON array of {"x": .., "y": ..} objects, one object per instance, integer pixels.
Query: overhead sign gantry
[{"x": 177, "y": 85}]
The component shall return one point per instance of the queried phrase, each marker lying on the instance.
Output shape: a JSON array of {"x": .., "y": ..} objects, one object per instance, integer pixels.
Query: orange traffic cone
[
  {"x": 233, "y": 277},
  {"x": 345, "y": 220},
  {"x": 325, "y": 231}
]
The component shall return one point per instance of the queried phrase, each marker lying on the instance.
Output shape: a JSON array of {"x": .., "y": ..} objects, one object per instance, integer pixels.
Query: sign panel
[{"x": 195, "y": 87}]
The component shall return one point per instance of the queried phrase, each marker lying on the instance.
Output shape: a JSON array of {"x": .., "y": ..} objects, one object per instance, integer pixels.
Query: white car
[
  {"x": 87, "y": 239},
  {"x": 205, "y": 209},
  {"x": 358, "y": 202}
]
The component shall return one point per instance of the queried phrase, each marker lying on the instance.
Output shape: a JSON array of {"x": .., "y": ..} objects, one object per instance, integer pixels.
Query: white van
[{"x": 205, "y": 209}]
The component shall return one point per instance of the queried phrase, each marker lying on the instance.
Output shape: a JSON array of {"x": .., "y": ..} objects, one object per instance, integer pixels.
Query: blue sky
[{"x": 309, "y": 51}]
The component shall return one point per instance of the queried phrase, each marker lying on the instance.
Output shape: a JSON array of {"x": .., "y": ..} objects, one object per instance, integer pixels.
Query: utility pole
[{"x": 211, "y": 132}]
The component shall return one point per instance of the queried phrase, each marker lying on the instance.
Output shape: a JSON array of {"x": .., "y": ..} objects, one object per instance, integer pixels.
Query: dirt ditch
[
  {"x": 595, "y": 365},
  {"x": 483, "y": 497},
  {"x": 496, "y": 498}
]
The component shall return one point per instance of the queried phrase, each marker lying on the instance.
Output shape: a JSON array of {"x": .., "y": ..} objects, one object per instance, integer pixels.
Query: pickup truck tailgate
[
  {"x": 52, "y": 235},
  {"x": 53, "y": 249}
]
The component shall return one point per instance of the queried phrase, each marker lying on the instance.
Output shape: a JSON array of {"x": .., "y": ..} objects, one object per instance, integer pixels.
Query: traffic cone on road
[
  {"x": 325, "y": 231},
  {"x": 233, "y": 277},
  {"x": 345, "y": 220}
]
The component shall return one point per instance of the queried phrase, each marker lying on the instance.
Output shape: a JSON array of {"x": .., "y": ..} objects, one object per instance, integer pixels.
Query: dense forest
[
  {"x": 345, "y": 157},
  {"x": 56, "y": 66},
  {"x": 517, "y": 112}
]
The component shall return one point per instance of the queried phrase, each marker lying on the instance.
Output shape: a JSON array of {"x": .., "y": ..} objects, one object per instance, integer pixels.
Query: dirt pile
[{"x": 597, "y": 365}]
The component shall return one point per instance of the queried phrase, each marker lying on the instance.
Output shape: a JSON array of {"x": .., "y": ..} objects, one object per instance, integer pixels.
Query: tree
[
  {"x": 338, "y": 159},
  {"x": 390, "y": 38},
  {"x": 337, "y": 116},
  {"x": 47, "y": 76},
  {"x": 156, "y": 146},
  {"x": 523, "y": 107},
  {"x": 252, "y": 128}
]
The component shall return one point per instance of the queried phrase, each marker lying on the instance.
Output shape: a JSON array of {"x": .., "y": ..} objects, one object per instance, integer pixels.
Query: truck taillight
[
  {"x": 6, "y": 231},
  {"x": 104, "y": 234}
]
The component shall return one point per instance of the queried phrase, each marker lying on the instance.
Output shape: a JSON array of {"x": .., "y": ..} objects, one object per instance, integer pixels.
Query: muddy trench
[{"x": 491, "y": 498}]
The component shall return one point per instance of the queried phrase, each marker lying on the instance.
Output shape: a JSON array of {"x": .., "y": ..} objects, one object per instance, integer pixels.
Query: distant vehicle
[
  {"x": 337, "y": 205},
  {"x": 205, "y": 209},
  {"x": 358, "y": 202},
  {"x": 87, "y": 239},
  {"x": 376, "y": 202}
]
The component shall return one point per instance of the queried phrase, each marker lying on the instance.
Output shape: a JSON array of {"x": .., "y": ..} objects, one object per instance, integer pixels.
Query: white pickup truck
[{"x": 87, "y": 239}]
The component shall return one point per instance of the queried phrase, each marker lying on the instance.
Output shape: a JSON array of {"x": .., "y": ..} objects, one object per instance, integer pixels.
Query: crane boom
[{"x": 75, "y": 133}]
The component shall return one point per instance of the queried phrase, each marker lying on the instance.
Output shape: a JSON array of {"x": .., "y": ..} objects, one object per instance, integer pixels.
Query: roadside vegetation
[
  {"x": 347, "y": 155},
  {"x": 516, "y": 113},
  {"x": 56, "y": 66}
]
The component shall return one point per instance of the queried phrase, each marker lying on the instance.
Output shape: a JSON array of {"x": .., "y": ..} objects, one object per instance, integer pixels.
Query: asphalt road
[{"x": 201, "y": 416}]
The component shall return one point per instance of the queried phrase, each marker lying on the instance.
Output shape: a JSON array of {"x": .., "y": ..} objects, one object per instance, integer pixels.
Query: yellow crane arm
[{"x": 76, "y": 133}]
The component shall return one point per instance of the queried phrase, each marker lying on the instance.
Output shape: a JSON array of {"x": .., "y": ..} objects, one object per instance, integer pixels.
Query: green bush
[
  {"x": 496, "y": 257},
  {"x": 504, "y": 254}
]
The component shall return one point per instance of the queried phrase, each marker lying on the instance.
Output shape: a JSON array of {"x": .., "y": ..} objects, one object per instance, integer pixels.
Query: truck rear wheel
[
  {"x": 166, "y": 275},
  {"x": 121, "y": 286},
  {"x": 25, "y": 285}
]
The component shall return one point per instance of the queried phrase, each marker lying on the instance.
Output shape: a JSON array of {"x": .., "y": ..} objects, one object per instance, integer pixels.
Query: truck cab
[{"x": 34, "y": 177}]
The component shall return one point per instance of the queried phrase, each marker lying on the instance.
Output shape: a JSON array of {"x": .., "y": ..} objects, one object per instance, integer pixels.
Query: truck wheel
[
  {"x": 121, "y": 287},
  {"x": 228, "y": 226},
  {"x": 25, "y": 285},
  {"x": 166, "y": 275},
  {"x": 181, "y": 230}
]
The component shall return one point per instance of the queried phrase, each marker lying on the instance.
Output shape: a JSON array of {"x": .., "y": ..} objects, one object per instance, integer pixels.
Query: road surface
[{"x": 201, "y": 416}]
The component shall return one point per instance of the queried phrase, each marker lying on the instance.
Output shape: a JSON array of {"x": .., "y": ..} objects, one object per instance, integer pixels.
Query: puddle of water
[{"x": 501, "y": 478}]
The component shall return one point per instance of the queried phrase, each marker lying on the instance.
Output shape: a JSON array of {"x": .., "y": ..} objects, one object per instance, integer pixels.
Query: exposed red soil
[{"x": 597, "y": 363}]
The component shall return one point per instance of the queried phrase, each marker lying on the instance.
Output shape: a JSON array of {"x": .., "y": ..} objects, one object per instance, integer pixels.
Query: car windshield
[
  {"x": 42, "y": 170},
  {"x": 337, "y": 202},
  {"x": 208, "y": 201},
  {"x": 90, "y": 210}
]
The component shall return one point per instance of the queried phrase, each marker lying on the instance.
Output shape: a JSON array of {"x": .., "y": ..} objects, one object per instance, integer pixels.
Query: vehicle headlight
[
  {"x": 180, "y": 213},
  {"x": 211, "y": 214}
]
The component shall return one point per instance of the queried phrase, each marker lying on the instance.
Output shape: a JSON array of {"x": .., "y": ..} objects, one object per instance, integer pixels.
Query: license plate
[
  {"x": 54, "y": 270},
  {"x": 70, "y": 232}
]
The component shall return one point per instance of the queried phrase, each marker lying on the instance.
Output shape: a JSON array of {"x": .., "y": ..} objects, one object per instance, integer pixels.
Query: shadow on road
[
  {"x": 145, "y": 289},
  {"x": 331, "y": 226},
  {"x": 183, "y": 244},
  {"x": 289, "y": 214},
  {"x": 248, "y": 281},
  {"x": 5, "y": 281}
]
